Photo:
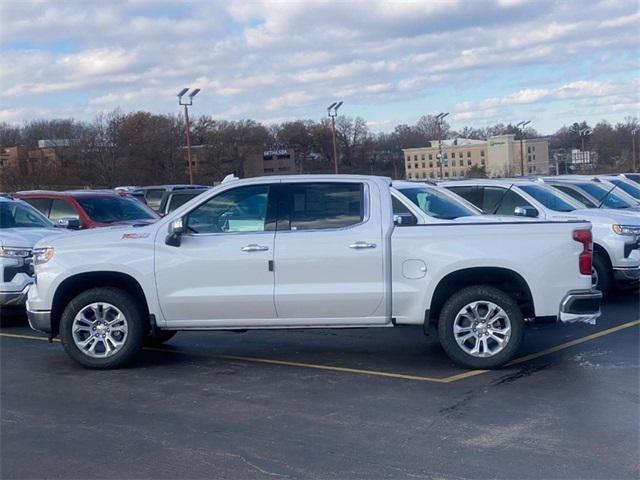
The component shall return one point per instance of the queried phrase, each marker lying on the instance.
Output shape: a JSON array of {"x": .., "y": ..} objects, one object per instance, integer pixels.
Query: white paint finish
[
  {"x": 210, "y": 277},
  {"x": 319, "y": 275}
]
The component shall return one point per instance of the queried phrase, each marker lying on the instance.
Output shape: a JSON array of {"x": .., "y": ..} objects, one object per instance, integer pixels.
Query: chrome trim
[
  {"x": 566, "y": 316},
  {"x": 361, "y": 245},
  {"x": 14, "y": 298},
  {"x": 254, "y": 247},
  {"x": 40, "y": 320}
]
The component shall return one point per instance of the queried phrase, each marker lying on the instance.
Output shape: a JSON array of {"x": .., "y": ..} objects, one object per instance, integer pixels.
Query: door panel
[
  {"x": 329, "y": 255},
  {"x": 220, "y": 274}
]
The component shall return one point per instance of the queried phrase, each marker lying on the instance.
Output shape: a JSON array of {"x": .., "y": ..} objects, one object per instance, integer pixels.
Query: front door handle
[
  {"x": 361, "y": 245},
  {"x": 254, "y": 247}
]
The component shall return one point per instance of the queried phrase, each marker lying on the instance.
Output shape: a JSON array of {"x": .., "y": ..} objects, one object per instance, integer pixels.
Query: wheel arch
[
  {"x": 81, "y": 282},
  {"x": 504, "y": 279},
  {"x": 600, "y": 250}
]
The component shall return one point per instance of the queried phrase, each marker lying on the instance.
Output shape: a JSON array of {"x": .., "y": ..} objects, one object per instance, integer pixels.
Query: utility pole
[
  {"x": 187, "y": 127},
  {"x": 521, "y": 126},
  {"x": 332, "y": 112},
  {"x": 439, "y": 118},
  {"x": 633, "y": 148}
]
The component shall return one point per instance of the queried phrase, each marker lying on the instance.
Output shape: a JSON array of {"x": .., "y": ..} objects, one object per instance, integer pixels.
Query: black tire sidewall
[
  {"x": 135, "y": 327},
  {"x": 480, "y": 293},
  {"x": 604, "y": 274}
]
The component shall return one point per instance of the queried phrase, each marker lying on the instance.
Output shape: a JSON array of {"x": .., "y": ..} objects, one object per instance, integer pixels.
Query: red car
[{"x": 89, "y": 209}]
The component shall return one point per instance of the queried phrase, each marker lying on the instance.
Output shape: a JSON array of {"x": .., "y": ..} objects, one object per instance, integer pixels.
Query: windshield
[
  {"x": 599, "y": 193},
  {"x": 20, "y": 215},
  {"x": 107, "y": 209},
  {"x": 547, "y": 197},
  {"x": 436, "y": 204},
  {"x": 627, "y": 187}
]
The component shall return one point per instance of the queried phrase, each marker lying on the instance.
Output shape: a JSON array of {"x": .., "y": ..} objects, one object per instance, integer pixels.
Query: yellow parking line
[{"x": 420, "y": 378}]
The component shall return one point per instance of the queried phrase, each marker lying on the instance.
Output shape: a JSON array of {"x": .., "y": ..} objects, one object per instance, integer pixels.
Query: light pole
[
  {"x": 633, "y": 148},
  {"x": 439, "y": 118},
  {"x": 332, "y": 111},
  {"x": 521, "y": 126},
  {"x": 187, "y": 104},
  {"x": 583, "y": 133}
]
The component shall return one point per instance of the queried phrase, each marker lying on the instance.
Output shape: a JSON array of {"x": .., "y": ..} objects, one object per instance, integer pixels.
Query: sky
[{"x": 484, "y": 61}]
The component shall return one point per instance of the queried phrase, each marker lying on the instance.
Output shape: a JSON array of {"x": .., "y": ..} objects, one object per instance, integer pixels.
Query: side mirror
[
  {"x": 527, "y": 211},
  {"x": 404, "y": 220},
  {"x": 70, "y": 223},
  {"x": 176, "y": 229}
]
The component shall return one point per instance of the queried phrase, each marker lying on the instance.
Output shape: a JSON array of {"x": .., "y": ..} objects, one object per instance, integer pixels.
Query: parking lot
[{"x": 381, "y": 403}]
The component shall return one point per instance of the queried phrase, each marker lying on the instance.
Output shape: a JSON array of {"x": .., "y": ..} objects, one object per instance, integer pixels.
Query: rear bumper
[
  {"x": 581, "y": 306},
  {"x": 14, "y": 298},
  {"x": 626, "y": 274}
]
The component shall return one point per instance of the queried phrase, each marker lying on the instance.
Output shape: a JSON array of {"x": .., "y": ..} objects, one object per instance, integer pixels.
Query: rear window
[
  {"x": 107, "y": 209},
  {"x": 437, "y": 204}
]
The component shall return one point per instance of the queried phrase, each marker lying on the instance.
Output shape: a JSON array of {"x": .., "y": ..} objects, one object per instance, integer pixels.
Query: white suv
[
  {"x": 616, "y": 233},
  {"x": 21, "y": 226}
]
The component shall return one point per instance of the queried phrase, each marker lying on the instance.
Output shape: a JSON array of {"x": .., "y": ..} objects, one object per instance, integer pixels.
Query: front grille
[{"x": 11, "y": 272}]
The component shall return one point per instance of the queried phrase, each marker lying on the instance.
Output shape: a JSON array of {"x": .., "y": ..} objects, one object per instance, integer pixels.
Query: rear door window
[
  {"x": 62, "y": 209},
  {"x": 326, "y": 205}
]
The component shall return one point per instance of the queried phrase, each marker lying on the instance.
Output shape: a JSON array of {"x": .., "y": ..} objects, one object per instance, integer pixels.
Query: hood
[
  {"x": 130, "y": 222},
  {"x": 27, "y": 237},
  {"x": 601, "y": 215},
  {"x": 100, "y": 236}
]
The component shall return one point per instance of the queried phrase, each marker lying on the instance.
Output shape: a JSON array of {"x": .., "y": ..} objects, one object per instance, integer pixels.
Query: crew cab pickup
[{"x": 314, "y": 251}]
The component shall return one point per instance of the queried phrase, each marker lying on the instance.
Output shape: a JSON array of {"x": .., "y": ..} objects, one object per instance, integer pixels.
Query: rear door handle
[
  {"x": 361, "y": 245},
  {"x": 254, "y": 247}
]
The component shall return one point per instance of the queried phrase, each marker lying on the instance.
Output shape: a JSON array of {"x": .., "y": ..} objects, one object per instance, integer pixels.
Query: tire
[
  {"x": 159, "y": 338},
  {"x": 102, "y": 319},
  {"x": 603, "y": 277},
  {"x": 508, "y": 322}
]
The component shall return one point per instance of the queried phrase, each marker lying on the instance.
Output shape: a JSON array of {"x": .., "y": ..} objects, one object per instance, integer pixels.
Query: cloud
[{"x": 252, "y": 59}]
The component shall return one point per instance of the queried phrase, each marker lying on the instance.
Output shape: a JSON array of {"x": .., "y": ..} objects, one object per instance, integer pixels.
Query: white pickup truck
[{"x": 316, "y": 251}]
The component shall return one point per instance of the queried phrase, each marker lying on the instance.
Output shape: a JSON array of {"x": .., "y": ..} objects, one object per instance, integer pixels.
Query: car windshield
[
  {"x": 20, "y": 215},
  {"x": 549, "y": 198},
  {"x": 611, "y": 200},
  {"x": 627, "y": 187},
  {"x": 107, "y": 209},
  {"x": 436, "y": 204}
]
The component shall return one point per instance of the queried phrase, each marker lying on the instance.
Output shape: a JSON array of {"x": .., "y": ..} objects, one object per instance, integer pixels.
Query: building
[
  {"x": 500, "y": 156},
  {"x": 276, "y": 161}
]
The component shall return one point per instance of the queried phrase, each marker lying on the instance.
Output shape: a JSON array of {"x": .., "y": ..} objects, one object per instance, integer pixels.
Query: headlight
[
  {"x": 14, "y": 252},
  {"x": 626, "y": 229},
  {"x": 42, "y": 255}
]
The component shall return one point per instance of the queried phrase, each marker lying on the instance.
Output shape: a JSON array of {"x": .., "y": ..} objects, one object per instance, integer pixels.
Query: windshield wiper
[
  {"x": 499, "y": 204},
  {"x": 606, "y": 195}
]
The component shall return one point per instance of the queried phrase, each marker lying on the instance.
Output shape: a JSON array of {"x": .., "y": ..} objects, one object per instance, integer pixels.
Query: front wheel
[
  {"x": 481, "y": 327},
  {"x": 102, "y": 328}
]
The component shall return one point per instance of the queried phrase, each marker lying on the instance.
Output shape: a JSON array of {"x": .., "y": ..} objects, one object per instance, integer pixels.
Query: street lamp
[
  {"x": 186, "y": 104},
  {"x": 332, "y": 111},
  {"x": 633, "y": 147},
  {"x": 439, "y": 119},
  {"x": 521, "y": 126},
  {"x": 583, "y": 133}
]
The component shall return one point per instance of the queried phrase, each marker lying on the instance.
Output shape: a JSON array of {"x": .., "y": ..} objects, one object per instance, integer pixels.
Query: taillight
[{"x": 586, "y": 257}]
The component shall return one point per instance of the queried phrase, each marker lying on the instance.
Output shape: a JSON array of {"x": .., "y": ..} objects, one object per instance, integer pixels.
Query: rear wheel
[
  {"x": 481, "y": 327},
  {"x": 102, "y": 328}
]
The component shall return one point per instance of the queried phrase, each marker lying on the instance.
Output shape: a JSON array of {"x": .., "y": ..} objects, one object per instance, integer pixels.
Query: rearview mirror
[
  {"x": 176, "y": 229},
  {"x": 404, "y": 220},
  {"x": 70, "y": 223},
  {"x": 527, "y": 211}
]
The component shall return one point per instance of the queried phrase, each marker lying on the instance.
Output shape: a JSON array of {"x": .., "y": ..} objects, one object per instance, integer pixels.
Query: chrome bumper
[
  {"x": 581, "y": 306},
  {"x": 14, "y": 298},
  {"x": 39, "y": 320}
]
